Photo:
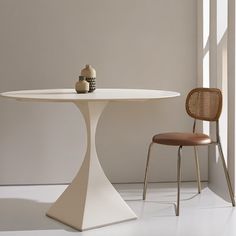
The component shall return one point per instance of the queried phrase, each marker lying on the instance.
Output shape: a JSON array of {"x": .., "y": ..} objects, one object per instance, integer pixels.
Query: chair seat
[{"x": 182, "y": 139}]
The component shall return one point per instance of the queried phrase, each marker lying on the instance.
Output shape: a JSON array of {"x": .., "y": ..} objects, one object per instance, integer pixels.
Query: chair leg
[
  {"x": 178, "y": 179},
  {"x": 146, "y": 172},
  {"x": 197, "y": 169},
  {"x": 226, "y": 174}
]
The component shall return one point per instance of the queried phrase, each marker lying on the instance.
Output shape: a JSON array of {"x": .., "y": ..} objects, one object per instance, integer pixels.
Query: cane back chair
[{"x": 201, "y": 104}]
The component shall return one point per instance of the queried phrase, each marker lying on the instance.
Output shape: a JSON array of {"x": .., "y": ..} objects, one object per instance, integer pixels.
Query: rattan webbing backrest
[{"x": 204, "y": 104}]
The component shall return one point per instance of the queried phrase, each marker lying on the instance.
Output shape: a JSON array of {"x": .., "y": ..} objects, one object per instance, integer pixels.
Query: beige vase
[
  {"x": 90, "y": 73},
  {"x": 82, "y": 86}
]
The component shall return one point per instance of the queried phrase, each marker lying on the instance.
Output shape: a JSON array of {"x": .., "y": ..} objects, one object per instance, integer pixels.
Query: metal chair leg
[
  {"x": 231, "y": 193},
  {"x": 197, "y": 170},
  {"x": 146, "y": 172},
  {"x": 178, "y": 179}
]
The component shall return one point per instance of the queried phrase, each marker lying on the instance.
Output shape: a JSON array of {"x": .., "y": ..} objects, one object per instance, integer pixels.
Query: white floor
[{"x": 22, "y": 212}]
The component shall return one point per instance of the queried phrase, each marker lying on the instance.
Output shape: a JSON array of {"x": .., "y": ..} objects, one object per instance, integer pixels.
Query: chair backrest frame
[{"x": 204, "y": 104}]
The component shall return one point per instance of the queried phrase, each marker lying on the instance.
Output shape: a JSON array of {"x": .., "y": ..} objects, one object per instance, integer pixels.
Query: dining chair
[{"x": 203, "y": 104}]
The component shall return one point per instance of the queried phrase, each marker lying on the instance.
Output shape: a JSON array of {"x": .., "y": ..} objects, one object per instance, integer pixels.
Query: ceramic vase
[
  {"x": 90, "y": 74},
  {"x": 82, "y": 86}
]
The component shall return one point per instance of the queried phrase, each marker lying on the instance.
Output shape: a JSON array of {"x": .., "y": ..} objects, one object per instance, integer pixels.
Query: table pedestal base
[{"x": 90, "y": 201}]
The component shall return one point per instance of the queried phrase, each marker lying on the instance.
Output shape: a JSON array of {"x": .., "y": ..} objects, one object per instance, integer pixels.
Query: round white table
[{"x": 90, "y": 201}]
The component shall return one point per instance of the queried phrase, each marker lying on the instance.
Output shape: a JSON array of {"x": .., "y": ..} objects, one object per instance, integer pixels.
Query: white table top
[{"x": 70, "y": 95}]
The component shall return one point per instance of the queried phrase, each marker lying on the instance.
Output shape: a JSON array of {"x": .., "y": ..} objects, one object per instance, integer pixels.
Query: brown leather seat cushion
[{"x": 182, "y": 139}]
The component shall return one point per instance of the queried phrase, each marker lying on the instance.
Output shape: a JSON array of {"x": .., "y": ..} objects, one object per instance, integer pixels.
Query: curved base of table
[{"x": 90, "y": 201}]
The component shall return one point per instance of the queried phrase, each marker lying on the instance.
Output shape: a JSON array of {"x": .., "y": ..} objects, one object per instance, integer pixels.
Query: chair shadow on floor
[{"x": 24, "y": 214}]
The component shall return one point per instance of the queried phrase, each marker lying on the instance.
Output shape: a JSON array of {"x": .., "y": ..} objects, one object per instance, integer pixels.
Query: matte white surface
[
  {"x": 70, "y": 95},
  {"x": 22, "y": 212},
  {"x": 88, "y": 201}
]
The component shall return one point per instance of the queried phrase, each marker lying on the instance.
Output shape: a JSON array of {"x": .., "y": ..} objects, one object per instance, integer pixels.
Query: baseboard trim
[{"x": 151, "y": 182}]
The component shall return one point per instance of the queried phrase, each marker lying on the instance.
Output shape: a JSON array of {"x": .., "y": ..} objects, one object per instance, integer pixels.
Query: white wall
[
  {"x": 213, "y": 16},
  {"x": 218, "y": 68},
  {"x": 231, "y": 92},
  {"x": 132, "y": 44}
]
